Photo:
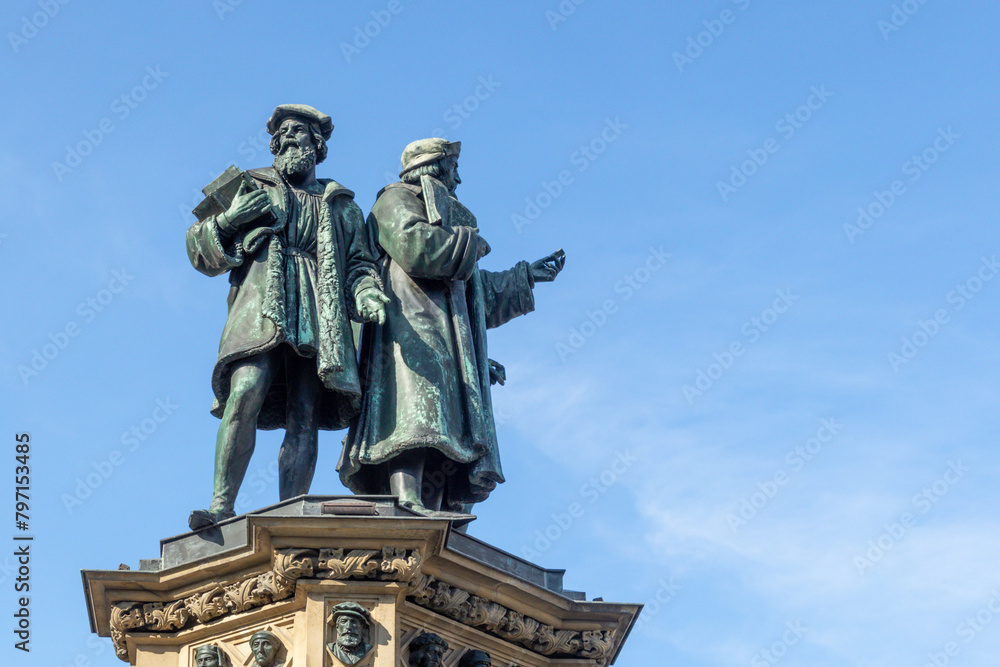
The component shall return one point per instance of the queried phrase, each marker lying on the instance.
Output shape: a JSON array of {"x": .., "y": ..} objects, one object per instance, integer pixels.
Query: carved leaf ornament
[{"x": 388, "y": 564}]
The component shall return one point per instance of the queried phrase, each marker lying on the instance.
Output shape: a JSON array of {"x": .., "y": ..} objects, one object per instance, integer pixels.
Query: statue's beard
[
  {"x": 295, "y": 161},
  {"x": 349, "y": 641}
]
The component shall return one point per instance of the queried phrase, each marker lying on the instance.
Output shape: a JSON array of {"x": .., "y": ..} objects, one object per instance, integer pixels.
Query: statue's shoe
[
  {"x": 204, "y": 518},
  {"x": 457, "y": 518}
]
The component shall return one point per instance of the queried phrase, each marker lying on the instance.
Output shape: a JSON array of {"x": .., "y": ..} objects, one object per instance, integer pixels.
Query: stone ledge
[
  {"x": 267, "y": 564},
  {"x": 233, "y": 534}
]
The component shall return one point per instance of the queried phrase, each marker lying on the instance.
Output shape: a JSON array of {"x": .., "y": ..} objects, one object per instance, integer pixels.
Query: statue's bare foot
[{"x": 204, "y": 518}]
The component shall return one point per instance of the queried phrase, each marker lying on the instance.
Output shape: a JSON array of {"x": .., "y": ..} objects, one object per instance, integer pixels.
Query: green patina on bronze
[
  {"x": 426, "y": 431},
  {"x": 300, "y": 269},
  {"x": 303, "y": 265},
  {"x": 286, "y": 288}
]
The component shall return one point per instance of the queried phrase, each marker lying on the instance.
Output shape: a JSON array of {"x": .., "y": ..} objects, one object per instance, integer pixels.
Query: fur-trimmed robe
[
  {"x": 256, "y": 321},
  {"x": 426, "y": 370}
]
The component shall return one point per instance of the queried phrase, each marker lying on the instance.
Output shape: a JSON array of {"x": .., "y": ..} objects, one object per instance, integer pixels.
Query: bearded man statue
[
  {"x": 352, "y": 623},
  {"x": 427, "y": 650},
  {"x": 300, "y": 269}
]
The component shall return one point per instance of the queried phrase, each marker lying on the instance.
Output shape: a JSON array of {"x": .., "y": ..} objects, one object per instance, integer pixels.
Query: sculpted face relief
[
  {"x": 352, "y": 623},
  {"x": 264, "y": 646}
]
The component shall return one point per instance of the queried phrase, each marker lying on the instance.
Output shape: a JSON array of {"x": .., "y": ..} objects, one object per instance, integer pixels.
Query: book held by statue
[{"x": 219, "y": 194}]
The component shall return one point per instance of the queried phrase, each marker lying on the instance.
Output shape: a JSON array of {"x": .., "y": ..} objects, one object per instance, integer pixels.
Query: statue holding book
[{"x": 301, "y": 270}]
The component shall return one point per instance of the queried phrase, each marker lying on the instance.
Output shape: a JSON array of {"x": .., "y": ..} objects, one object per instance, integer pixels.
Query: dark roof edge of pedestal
[{"x": 234, "y": 534}]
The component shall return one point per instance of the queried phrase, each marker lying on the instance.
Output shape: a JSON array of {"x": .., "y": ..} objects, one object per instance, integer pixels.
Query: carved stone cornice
[
  {"x": 288, "y": 566},
  {"x": 387, "y": 564},
  {"x": 506, "y": 623}
]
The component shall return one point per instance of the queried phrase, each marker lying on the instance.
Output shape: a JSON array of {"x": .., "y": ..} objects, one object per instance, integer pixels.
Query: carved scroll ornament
[
  {"x": 288, "y": 566},
  {"x": 388, "y": 564},
  {"x": 508, "y": 624}
]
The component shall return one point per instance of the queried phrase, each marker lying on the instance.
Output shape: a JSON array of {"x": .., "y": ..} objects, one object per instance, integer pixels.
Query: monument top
[
  {"x": 192, "y": 547},
  {"x": 289, "y": 568}
]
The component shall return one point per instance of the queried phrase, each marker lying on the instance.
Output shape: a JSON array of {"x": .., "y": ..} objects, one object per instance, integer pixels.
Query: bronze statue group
[{"x": 377, "y": 326}]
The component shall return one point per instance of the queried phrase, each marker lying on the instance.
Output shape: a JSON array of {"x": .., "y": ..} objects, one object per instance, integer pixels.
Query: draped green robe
[
  {"x": 425, "y": 372},
  {"x": 258, "y": 319}
]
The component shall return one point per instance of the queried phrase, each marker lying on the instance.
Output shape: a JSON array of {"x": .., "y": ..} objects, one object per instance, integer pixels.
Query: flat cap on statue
[
  {"x": 304, "y": 111},
  {"x": 425, "y": 151},
  {"x": 351, "y": 609},
  {"x": 263, "y": 633}
]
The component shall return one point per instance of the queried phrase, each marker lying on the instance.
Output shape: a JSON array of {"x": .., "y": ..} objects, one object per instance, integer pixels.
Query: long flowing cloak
[{"x": 426, "y": 370}]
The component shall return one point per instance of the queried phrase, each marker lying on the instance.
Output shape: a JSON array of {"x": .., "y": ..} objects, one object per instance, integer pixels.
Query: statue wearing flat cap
[
  {"x": 476, "y": 658},
  {"x": 352, "y": 623},
  {"x": 301, "y": 270},
  {"x": 427, "y": 650},
  {"x": 426, "y": 431},
  {"x": 264, "y": 645},
  {"x": 209, "y": 655}
]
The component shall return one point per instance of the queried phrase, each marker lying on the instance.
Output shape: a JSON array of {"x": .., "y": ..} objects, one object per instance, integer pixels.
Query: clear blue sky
[{"x": 767, "y": 375}]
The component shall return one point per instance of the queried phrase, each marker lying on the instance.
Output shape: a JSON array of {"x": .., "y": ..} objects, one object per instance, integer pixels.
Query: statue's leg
[
  {"x": 434, "y": 480},
  {"x": 249, "y": 382},
  {"x": 297, "y": 458},
  {"x": 406, "y": 473}
]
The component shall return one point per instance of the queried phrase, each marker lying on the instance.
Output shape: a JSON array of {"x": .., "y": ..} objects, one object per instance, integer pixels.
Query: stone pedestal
[{"x": 286, "y": 568}]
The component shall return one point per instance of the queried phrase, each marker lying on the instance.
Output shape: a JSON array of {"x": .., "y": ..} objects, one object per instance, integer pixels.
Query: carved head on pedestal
[
  {"x": 209, "y": 655},
  {"x": 427, "y": 650},
  {"x": 475, "y": 658},
  {"x": 264, "y": 645},
  {"x": 352, "y": 623}
]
